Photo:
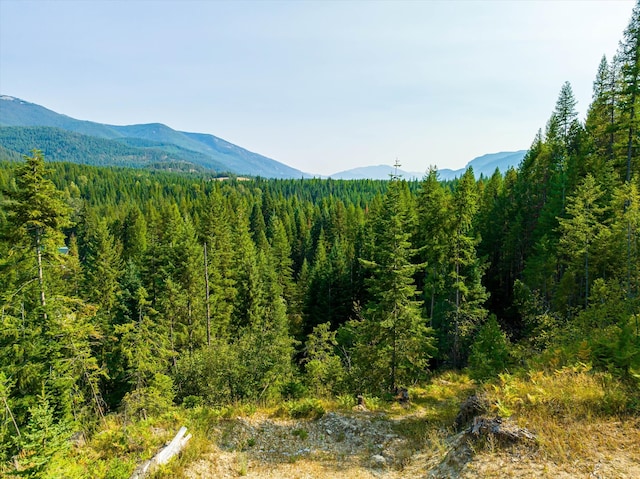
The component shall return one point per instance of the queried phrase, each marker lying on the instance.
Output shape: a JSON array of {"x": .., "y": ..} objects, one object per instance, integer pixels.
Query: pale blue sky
[{"x": 321, "y": 86}]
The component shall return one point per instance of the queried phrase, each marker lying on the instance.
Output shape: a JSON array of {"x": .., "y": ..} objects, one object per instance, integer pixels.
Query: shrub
[
  {"x": 294, "y": 390},
  {"x": 305, "y": 408},
  {"x": 191, "y": 402},
  {"x": 346, "y": 401},
  {"x": 324, "y": 369},
  {"x": 489, "y": 352},
  {"x": 154, "y": 399}
]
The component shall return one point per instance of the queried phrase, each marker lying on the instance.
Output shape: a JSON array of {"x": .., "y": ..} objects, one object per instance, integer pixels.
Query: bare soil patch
[{"x": 363, "y": 445}]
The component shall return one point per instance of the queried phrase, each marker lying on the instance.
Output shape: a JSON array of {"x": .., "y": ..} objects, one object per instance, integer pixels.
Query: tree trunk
[
  {"x": 206, "y": 283},
  {"x": 43, "y": 301}
]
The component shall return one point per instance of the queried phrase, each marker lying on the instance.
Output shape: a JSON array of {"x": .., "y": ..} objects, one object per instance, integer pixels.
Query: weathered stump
[
  {"x": 402, "y": 396},
  {"x": 471, "y": 407},
  {"x": 504, "y": 431}
]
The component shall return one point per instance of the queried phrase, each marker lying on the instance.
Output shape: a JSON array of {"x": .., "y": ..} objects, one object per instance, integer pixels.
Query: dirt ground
[{"x": 364, "y": 445}]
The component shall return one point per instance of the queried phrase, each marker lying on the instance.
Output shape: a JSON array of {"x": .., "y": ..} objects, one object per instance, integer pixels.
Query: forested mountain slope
[{"x": 148, "y": 145}]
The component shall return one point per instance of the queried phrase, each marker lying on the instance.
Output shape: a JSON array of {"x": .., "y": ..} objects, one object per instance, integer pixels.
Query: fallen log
[{"x": 166, "y": 453}]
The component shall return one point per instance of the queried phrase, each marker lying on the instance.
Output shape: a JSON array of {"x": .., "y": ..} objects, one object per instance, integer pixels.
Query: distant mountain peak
[
  {"x": 484, "y": 165},
  {"x": 14, "y": 99}
]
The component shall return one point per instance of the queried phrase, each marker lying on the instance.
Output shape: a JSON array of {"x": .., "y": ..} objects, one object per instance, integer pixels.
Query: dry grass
[{"x": 582, "y": 421}]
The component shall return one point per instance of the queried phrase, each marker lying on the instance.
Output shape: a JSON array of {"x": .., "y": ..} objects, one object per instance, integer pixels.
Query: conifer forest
[{"x": 133, "y": 292}]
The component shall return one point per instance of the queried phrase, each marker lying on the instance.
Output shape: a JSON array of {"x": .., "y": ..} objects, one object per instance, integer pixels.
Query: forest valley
[{"x": 131, "y": 293}]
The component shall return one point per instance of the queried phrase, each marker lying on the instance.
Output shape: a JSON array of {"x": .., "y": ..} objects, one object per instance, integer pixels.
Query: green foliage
[
  {"x": 294, "y": 390},
  {"x": 301, "y": 433},
  {"x": 304, "y": 408},
  {"x": 35, "y": 204},
  {"x": 392, "y": 340},
  {"x": 465, "y": 269},
  {"x": 323, "y": 367},
  {"x": 570, "y": 392},
  {"x": 154, "y": 398},
  {"x": 41, "y": 439},
  {"x": 489, "y": 352},
  {"x": 346, "y": 401}
]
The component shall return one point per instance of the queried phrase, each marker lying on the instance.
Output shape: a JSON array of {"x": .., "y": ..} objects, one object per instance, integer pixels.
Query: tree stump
[{"x": 503, "y": 430}]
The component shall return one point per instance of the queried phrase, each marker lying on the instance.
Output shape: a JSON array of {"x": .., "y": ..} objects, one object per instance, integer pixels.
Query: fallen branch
[{"x": 166, "y": 453}]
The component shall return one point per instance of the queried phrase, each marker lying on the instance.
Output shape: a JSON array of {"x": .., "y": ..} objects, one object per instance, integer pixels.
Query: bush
[
  {"x": 346, "y": 401},
  {"x": 294, "y": 390},
  {"x": 191, "y": 402},
  {"x": 489, "y": 352},
  {"x": 324, "y": 370},
  {"x": 305, "y": 408},
  {"x": 153, "y": 400}
]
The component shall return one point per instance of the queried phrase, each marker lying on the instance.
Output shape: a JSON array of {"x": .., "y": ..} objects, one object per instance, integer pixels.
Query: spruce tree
[
  {"x": 467, "y": 294},
  {"x": 393, "y": 341},
  {"x": 432, "y": 238},
  {"x": 35, "y": 208},
  {"x": 581, "y": 229},
  {"x": 629, "y": 58}
]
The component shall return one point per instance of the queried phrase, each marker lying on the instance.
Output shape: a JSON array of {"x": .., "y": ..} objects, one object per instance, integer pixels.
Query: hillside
[
  {"x": 61, "y": 145},
  {"x": 152, "y": 144}
]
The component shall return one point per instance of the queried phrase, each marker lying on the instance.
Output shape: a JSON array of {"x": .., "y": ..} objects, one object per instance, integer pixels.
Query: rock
[{"x": 378, "y": 460}]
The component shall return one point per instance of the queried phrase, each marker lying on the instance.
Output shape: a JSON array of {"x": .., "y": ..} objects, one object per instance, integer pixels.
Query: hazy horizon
[{"x": 320, "y": 86}]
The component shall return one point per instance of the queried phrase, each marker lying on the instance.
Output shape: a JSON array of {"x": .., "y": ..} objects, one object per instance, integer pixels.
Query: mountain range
[
  {"x": 62, "y": 138},
  {"x": 484, "y": 165},
  {"x": 25, "y": 125}
]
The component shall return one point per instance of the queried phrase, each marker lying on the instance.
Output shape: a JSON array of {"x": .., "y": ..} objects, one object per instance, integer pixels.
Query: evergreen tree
[
  {"x": 217, "y": 235},
  {"x": 600, "y": 117},
  {"x": 565, "y": 114},
  {"x": 393, "y": 342},
  {"x": 283, "y": 264},
  {"x": 134, "y": 235},
  {"x": 629, "y": 58},
  {"x": 143, "y": 345},
  {"x": 35, "y": 208},
  {"x": 489, "y": 352},
  {"x": 581, "y": 229},
  {"x": 623, "y": 251},
  {"x": 43, "y": 437},
  {"x": 467, "y": 294},
  {"x": 323, "y": 366},
  {"x": 45, "y": 334},
  {"x": 432, "y": 236},
  {"x": 102, "y": 268}
]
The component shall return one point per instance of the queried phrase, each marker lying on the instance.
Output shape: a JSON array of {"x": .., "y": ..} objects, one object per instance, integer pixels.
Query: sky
[{"x": 320, "y": 86}]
